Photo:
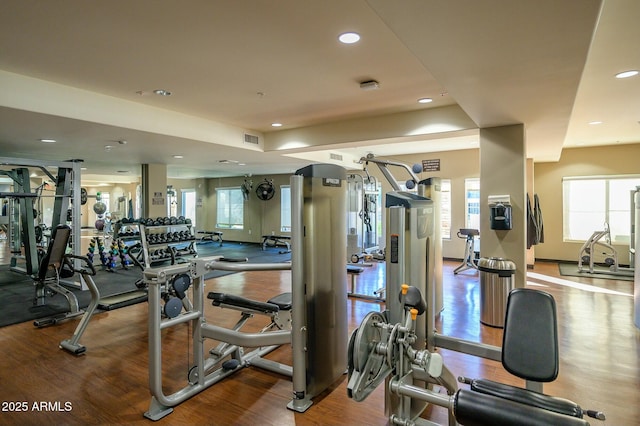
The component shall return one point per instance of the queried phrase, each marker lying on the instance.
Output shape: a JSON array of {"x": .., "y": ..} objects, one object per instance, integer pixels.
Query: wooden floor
[{"x": 600, "y": 360}]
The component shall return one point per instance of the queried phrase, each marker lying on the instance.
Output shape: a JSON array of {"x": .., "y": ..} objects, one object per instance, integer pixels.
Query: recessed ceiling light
[
  {"x": 242, "y": 164},
  {"x": 349, "y": 38},
  {"x": 162, "y": 92},
  {"x": 83, "y": 168},
  {"x": 627, "y": 74},
  {"x": 595, "y": 122},
  {"x": 48, "y": 140},
  {"x": 276, "y": 124},
  {"x": 107, "y": 147},
  {"x": 178, "y": 156},
  {"x": 424, "y": 100}
]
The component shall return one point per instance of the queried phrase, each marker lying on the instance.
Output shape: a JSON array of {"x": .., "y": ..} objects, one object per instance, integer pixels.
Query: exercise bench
[
  {"x": 276, "y": 240},
  {"x": 352, "y": 272},
  {"x": 278, "y": 308},
  {"x": 54, "y": 266},
  {"x": 211, "y": 236}
]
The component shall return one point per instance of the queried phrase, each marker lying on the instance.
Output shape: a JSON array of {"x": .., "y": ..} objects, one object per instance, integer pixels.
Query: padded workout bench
[
  {"x": 211, "y": 236},
  {"x": 278, "y": 308},
  {"x": 352, "y": 272},
  {"x": 276, "y": 240}
]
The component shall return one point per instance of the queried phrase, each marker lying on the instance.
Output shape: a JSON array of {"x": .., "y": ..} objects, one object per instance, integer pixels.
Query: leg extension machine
[{"x": 380, "y": 351}]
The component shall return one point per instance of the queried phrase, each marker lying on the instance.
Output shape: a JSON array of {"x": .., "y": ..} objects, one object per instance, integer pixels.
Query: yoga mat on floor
[{"x": 602, "y": 272}]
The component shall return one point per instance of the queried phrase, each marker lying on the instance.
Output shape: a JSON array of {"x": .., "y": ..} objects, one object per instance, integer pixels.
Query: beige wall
[
  {"x": 610, "y": 160},
  {"x": 263, "y": 217},
  {"x": 260, "y": 217}
]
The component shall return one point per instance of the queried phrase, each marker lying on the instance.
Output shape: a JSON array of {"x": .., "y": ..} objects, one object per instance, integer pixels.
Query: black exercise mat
[
  {"x": 17, "y": 290},
  {"x": 571, "y": 270},
  {"x": 16, "y": 299}
]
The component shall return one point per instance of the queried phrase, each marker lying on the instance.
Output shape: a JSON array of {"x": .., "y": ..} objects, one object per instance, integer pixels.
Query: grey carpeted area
[
  {"x": 17, "y": 290},
  {"x": 602, "y": 272}
]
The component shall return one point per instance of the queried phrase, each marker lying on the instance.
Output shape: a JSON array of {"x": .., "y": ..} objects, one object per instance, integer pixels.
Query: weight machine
[
  {"x": 399, "y": 347},
  {"x": 22, "y": 229},
  {"x": 363, "y": 195},
  {"x": 380, "y": 350},
  {"x": 427, "y": 190},
  {"x": 319, "y": 326}
]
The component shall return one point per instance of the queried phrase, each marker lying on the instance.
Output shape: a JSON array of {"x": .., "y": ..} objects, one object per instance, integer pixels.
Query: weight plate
[
  {"x": 83, "y": 196},
  {"x": 366, "y": 338}
]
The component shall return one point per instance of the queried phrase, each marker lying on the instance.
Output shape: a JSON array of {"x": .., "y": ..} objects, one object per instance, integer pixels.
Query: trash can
[{"x": 496, "y": 281}]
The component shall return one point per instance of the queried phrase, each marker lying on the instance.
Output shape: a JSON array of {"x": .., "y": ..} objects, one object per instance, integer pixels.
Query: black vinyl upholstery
[
  {"x": 282, "y": 300},
  {"x": 55, "y": 251},
  {"x": 478, "y": 409},
  {"x": 529, "y": 351},
  {"x": 413, "y": 299},
  {"x": 528, "y": 397},
  {"x": 270, "y": 307},
  {"x": 530, "y": 340}
]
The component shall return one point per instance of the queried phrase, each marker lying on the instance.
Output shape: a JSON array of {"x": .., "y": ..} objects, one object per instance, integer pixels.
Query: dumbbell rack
[
  {"x": 159, "y": 243},
  {"x": 158, "y": 239}
]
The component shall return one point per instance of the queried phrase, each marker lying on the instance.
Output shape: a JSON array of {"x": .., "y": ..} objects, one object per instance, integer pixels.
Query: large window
[
  {"x": 230, "y": 211},
  {"x": 285, "y": 208},
  {"x": 590, "y": 202},
  {"x": 189, "y": 204},
  {"x": 472, "y": 203},
  {"x": 445, "y": 208}
]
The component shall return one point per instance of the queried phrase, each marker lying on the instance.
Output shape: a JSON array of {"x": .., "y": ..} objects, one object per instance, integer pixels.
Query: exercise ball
[
  {"x": 417, "y": 168},
  {"x": 99, "y": 208},
  {"x": 410, "y": 184},
  {"x": 99, "y": 224}
]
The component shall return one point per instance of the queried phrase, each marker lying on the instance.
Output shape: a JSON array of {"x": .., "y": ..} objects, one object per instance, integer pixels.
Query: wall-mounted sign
[
  {"x": 157, "y": 199},
  {"x": 431, "y": 165}
]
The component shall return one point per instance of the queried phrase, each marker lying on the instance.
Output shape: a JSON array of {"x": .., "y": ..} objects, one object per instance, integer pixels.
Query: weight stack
[{"x": 324, "y": 274}]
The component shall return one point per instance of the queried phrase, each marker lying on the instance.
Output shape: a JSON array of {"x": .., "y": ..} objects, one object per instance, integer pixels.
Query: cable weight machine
[{"x": 22, "y": 228}]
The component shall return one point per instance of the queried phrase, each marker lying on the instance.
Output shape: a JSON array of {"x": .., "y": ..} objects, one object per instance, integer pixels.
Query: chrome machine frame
[
  {"x": 157, "y": 279},
  {"x": 318, "y": 297},
  {"x": 67, "y": 189}
]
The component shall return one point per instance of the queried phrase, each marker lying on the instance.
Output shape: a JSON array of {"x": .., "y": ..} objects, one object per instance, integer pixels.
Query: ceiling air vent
[
  {"x": 251, "y": 139},
  {"x": 335, "y": 157}
]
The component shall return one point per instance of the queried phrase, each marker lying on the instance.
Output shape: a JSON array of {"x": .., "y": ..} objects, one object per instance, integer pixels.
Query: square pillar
[
  {"x": 503, "y": 172},
  {"x": 154, "y": 190}
]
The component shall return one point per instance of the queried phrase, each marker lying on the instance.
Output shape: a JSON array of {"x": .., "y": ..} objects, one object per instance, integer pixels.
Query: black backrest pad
[
  {"x": 530, "y": 341},
  {"x": 56, "y": 249}
]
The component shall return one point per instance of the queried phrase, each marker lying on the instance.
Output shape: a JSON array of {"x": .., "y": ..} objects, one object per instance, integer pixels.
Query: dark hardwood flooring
[{"x": 600, "y": 362}]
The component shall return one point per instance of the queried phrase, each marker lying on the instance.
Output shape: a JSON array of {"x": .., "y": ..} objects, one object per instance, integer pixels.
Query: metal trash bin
[{"x": 496, "y": 281}]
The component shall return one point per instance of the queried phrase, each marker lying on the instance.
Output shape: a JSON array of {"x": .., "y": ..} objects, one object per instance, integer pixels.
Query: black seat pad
[
  {"x": 242, "y": 302},
  {"x": 354, "y": 269},
  {"x": 528, "y": 397},
  {"x": 283, "y": 301},
  {"x": 478, "y": 409}
]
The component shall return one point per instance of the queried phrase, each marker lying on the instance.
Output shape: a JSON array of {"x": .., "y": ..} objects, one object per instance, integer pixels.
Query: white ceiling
[{"x": 83, "y": 73}]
